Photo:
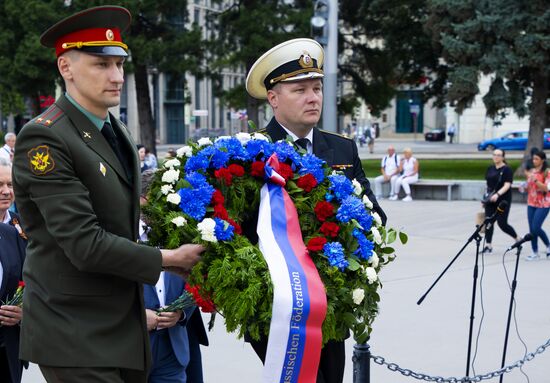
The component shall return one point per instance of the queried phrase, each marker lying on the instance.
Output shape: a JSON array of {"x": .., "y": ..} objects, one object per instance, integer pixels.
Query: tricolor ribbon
[{"x": 299, "y": 299}]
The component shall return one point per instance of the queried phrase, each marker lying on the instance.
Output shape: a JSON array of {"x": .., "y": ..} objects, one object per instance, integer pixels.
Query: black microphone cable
[
  {"x": 482, "y": 306},
  {"x": 514, "y": 308}
]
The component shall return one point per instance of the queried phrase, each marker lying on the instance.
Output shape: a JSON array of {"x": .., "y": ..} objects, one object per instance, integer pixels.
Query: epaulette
[
  {"x": 49, "y": 117},
  {"x": 335, "y": 134}
]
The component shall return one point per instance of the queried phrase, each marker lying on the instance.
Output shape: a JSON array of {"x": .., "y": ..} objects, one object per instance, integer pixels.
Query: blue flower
[
  {"x": 340, "y": 186},
  {"x": 256, "y": 147},
  {"x": 310, "y": 163},
  {"x": 233, "y": 147},
  {"x": 223, "y": 230},
  {"x": 353, "y": 208},
  {"x": 196, "y": 198},
  {"x": 197, "y": 162},
  {"x": 335, "y": 254},
  {"x": 197, "y": 180},
  {"x": 286, "y": 151},
  {"x": 364, "y": 250}
]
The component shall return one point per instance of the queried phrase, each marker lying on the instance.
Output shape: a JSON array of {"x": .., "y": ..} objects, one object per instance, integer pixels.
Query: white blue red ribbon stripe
[{"x": 299, "y": 302}]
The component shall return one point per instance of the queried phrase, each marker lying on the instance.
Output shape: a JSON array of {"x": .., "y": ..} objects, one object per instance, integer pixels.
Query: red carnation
[
  {"x": 236, "y": 170},
  {"x": 220, "y": 212},
  {"x": 285, "y": 171},
  {"x": 225, "y": 174},
  {"x": 238, "y": 229},
  {"x": 21, "y": 284},
  {"x": 307, "y": 182},
  {"x": 324, "y": 210},
  {"x": 218, "y": 198},
  {"x": 205, "y": 303},
  {"x": 330, "y": 229},
  {"x": 316, "y": 243},
  {"x": 257, "y": 169}
]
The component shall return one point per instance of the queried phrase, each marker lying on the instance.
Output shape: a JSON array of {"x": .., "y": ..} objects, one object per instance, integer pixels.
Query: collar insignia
[
  {"x": 102, "y": 169},
  {"x": 87, "y": 135}
]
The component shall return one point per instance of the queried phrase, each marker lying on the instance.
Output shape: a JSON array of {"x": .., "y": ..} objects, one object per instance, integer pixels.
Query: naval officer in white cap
[{"x": 290, "y": 77}]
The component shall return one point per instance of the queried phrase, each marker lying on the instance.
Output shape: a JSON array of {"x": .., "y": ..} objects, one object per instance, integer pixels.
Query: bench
[{"x": 448, "y": 184}]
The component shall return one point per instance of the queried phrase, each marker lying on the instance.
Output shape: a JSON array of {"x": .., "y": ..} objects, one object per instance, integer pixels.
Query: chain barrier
[{"x": 466, "y": 379}]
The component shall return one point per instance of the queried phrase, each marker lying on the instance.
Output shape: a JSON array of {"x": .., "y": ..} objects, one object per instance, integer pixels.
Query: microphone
[
  {"x": 526, "y": 238},
  {"x": 500, "y": 209}
]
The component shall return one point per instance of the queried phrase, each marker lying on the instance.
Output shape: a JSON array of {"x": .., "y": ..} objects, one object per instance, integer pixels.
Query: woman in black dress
[{"x": 499, "y": 179}]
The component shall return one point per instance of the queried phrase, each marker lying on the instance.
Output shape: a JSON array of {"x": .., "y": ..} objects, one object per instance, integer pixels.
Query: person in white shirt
[
  {"x": 7, "y": 150},
  {"x": 409, "y": 169},
  {"x": 389, "y": 169}
]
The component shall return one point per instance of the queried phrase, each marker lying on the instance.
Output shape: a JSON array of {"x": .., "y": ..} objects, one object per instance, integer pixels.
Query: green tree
[
  {"x": 383, "y": 46},
  {"x": 27, "y": 68},
  {"x": 508, "y": 40},
  {"x": 246, "y": 29},
  {"x": 159, "y": 38}
]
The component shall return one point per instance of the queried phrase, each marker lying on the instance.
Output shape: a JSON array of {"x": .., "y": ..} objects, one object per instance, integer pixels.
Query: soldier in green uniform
[
  {"x": 290, "y": 76},
  {"x": 76, "y": 180}
]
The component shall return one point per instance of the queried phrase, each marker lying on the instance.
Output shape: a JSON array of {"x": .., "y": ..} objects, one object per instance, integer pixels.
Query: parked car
[
  {"x": 511, "y": 141},
  {"x": 435, "y": 135}
]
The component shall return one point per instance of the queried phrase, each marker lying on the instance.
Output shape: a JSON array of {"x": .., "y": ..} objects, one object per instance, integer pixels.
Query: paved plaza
[{"x": 433, "y": 337}]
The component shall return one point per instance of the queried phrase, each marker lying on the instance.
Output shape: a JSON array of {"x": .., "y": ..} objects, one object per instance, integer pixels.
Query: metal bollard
[{"x": 361, "y": 363}]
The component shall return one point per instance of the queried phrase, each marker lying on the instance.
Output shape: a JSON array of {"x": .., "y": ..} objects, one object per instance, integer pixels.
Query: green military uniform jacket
[{"x": 83, "y": 303}]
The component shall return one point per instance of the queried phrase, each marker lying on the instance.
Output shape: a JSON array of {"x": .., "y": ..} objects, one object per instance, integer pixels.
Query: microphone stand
[
  {"x": 514, "y": 284},
  {"x": 475, "y": 236}
]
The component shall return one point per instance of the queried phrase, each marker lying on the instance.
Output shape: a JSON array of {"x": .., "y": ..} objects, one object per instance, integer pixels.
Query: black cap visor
[{"x": 104, "y": 51}]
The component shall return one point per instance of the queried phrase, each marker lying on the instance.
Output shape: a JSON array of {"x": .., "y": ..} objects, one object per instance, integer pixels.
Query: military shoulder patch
[
  {"x": 40, "y": 160},
  {"x": 51, "y": 115}
]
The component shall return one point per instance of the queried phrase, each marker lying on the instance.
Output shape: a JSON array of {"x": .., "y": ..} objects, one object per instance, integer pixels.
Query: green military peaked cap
[{"x": 95, "y": 30}]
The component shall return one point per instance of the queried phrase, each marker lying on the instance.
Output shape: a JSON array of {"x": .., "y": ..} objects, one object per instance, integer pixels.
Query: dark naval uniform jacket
[
  {"x": 338, "y": 151},
  {"x": 83, "y": 271}
]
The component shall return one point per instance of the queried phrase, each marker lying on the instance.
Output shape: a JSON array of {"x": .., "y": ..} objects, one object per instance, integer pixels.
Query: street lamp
[{"x": 319, "y": 21}]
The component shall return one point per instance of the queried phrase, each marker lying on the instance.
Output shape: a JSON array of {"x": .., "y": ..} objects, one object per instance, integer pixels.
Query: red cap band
[{"x": 99, "y": 37}]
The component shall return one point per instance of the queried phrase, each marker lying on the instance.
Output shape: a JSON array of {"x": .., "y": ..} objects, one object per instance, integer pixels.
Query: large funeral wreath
[{"x": 210, "y": 191}]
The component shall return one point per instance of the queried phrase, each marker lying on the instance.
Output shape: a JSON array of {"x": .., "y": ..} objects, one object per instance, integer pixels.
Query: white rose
[
  {"x": 357, "y": 188},
  {"x": 377, "y": 218},
  {"x": 371, "y": 274},
  {"x": 376, "y": 235},
  {"x": 166, "y": 189},
  {"x": 243, "y": 137},
  {"x": 172, "y": 163},
  {"x": 185, "y": 151},
  {"x": 259, "y": 136},
  {"x": 367, "y": 202},
  {"x": 173, "y": 198},
  {"x": 179, "y": 221},
  {"x": 358, "y": 295},
  {"x": 206, "y": 228},
  {"x": 204, "y": 141},
  {"x": 170, "y": 176},
  {"x": 374, "y": 260}
]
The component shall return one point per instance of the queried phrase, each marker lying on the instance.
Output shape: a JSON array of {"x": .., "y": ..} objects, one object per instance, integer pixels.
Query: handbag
[{"x": 486, "y": 198}]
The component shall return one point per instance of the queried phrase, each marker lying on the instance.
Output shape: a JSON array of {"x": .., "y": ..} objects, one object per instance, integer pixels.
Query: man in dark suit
[
  {"x": 290, "y": 76},
  {"x": 12, "y": 255},
  {"x": 76, "y": 180},
  {"x": 167, "y": 331}
]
